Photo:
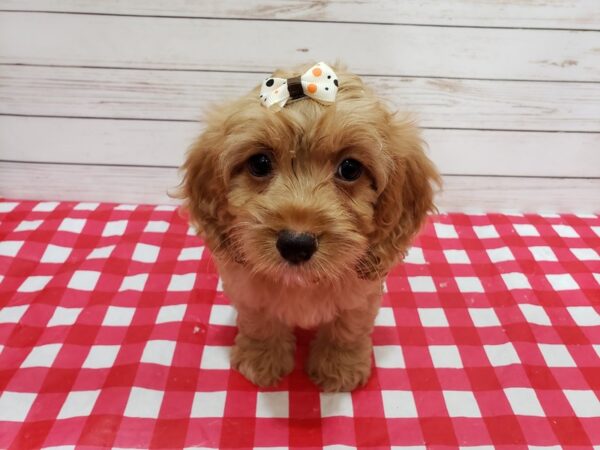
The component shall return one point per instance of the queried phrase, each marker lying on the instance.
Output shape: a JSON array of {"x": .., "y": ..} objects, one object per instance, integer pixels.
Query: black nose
[{"x": 296, "y": 247}]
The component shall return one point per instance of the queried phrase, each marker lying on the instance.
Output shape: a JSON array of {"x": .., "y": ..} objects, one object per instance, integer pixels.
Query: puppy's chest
[{"x": 295, "y": 305}]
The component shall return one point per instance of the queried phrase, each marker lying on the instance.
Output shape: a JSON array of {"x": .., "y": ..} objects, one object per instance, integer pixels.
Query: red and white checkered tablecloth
[{"x": 114, "y": 332}]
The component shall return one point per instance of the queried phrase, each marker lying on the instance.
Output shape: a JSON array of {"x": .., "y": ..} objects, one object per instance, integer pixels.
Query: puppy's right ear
[{"x": 203, "y": 186}]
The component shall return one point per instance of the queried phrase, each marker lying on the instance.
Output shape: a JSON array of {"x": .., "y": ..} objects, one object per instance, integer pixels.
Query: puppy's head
[{"x": 309, "y": 193}]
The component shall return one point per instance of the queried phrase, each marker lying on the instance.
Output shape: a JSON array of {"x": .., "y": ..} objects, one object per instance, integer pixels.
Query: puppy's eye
[
  {"x": 350, "y": 170},
  {"x": 260, "y": 165}
]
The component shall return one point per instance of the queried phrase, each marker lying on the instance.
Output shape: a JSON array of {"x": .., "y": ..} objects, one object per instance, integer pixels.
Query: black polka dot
[
  {"x": 335, "y": 82},
  {"x": 328, "y": 77},
  {"x": 270, "y": 82},
  {"x": 326, "y": 88}
]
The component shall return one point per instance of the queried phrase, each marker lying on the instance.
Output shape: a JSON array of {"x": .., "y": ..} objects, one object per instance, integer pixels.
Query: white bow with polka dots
[{"x": 319, "y": 83}]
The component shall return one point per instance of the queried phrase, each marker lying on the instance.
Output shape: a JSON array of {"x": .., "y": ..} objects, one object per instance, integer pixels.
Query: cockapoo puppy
[{"x": 307, "y": 191}]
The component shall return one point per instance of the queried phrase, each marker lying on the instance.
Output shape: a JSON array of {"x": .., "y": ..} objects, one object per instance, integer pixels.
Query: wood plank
[
  {"x": 156, "y": 143},
  {"x": 150, "y": 185},
  {"x": 194, "y": 44},
  {"x": 157, "y": 94},
  {"x": 572, "y": 14}
]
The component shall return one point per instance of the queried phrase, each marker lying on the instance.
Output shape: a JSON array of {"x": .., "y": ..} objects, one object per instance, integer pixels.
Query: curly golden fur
[{"x": 362, "y": 227}]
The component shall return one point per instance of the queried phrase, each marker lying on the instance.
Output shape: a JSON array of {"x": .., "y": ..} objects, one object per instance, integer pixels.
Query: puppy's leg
[
  {"x": 340, "y": 355},
  {"x": 264, "y": 348}
]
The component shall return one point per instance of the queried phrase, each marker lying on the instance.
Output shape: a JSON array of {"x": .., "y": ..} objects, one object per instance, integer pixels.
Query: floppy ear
[
  {"x": 203, "y": 187},
  {"x": 406, "y": 199}
]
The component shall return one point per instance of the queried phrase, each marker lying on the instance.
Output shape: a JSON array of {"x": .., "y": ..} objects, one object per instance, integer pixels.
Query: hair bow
[{"x": 319, "y": 83}]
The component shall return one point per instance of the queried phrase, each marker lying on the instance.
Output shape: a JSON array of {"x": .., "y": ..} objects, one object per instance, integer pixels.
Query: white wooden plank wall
[{"x": 99, "y": 100}]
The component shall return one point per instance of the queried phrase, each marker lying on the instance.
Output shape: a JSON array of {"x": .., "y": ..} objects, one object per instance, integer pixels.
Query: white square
[
  {"x": 42, "y": 356},
  {"x": 7, "y": 206},
  {"x": 535, "y": 314},
  {"x": 526, "y": 230},
  {"x": 84, "y": 280},
  {"x": 486, "y": 232},
  {"x": 101, "y": 252},
  {"x": 191, "y": 254},
  {"x": 192, "y": 231},
  {"x": 144, "y": 403},
  {"x": 469, "y": 284},
  {"x": 64, "y": 316},
  {"x": 34, "y": 283},
  {"x": 29, "y": 225},
  {"x": 273, "y": 404},
  {"x": 565, "y": 231},
  {"x": 415, "y": 256},
  {"x": 336, "y": 404},
  {"x": 72, "y": 225},
  {"x": 484, "y": 317},
  {"x": 86, "y": 206},
  {"x": 134, "y": 282},
  {"x": 502, "y": 354},
  {"x": 181, "y": 283},
  {"x": 445, "y": 356},
  {"x": 145, "y": 253},
  {"x": 78, "y": 404},
  {"x": 10, "y": 248},
  {"x": 220, "y": 285},
  {"x": 159, "y": 352},
  {"x": 215, "y": 357},
  {"x": 398, "y": 404},
  {"x": 101, "y": 357},
  {"x": 165, "y": 208},
  {"x": 118, "y": 316},
  {"x": 45, "y": 206},
  {"x": 549, "y": 214},
  {"x": 461, "y": 404},
  {"x": 562, "y": 282},
  {"x": 388, "y": 356},
  {"x": 584, "y": 403},
  {"x": 543, "y": 253},
  {"x": 524, "y": 402},
  {"x": 457, "y": 257},
  {"x": 556, "y": 355},
  {"x": 56, "y": 254},
  {"x": 515, "y": 280},
  {"x": 209, "y": 404},
  {"x": 585, "y": 254},
  {"x": 12, "y": 314},
  {"x": 421, "y": 284},
  {"x": 432, "y": 317},
  {"x": 596, "y": 230},
  {"x": 597, "y": 349},
  {"x": 223, "y": 315},
  {"x": 14, "y": 406},
  {"x": 385, "y": 317},
  {"x": 156, "y": 226},
  {"x": 114, "y": 228},
  {"x": 584, "y": 316},
  {"x": 125, "y": 207},
  {"x": 171, "y": 313},
  {"x": 445, "y": 231},
  {"x": 500, "y": 254}
]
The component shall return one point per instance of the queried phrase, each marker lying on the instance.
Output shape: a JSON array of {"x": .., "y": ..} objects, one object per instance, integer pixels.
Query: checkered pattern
[{"x": 114, "y": 332}]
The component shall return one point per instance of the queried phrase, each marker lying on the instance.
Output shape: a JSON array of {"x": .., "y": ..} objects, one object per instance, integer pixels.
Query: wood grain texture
[
  {"x": 194, "y": 44},
  {"x": 572, "y": 14},
  {"x": 156, "y": 94},
  {"x": 150, "y": 185},
  {"x": 156, "y": 143}
]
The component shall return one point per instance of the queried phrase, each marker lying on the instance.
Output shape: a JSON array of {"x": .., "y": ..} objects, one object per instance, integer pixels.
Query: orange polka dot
[
  {"x": 317, "y": 72},
  {"x": 312, "y": 88}
]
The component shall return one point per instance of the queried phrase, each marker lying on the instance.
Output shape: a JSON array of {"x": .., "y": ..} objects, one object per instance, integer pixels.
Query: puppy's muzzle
[{"x": 295, "y": 247}]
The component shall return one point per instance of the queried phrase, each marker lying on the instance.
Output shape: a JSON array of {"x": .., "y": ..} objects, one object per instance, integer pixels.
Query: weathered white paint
[
  {"x": 151, "y": 185},
  {"x": 157, "y": 94},
  {"x": 571, "y": 14},
  {"x": 160, "y": 143},
  {"x": 175, "y": 43}
]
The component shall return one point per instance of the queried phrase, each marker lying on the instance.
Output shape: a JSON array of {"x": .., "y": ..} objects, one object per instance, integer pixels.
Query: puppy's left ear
[{"x": 405, "y": 201}]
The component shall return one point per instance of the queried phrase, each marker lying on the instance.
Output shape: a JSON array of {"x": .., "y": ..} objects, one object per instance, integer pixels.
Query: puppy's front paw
[
  {"x": 337, "y": 369},
  {"x": 263, "y": 363}
]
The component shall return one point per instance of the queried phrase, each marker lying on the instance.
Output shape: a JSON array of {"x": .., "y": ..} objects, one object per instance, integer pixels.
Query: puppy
[{"x": 306, "y": 203}]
